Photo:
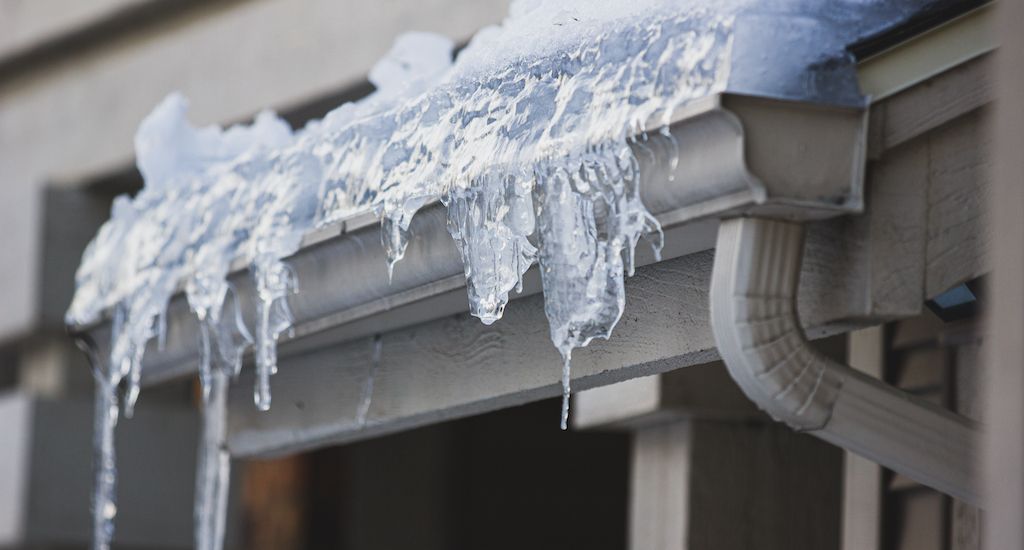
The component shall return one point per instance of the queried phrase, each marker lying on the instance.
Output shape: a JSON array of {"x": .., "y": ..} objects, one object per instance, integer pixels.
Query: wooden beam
[{"x": 1004, "y": 411}]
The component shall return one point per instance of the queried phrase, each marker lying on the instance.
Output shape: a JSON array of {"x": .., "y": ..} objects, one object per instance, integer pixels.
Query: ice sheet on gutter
[
  {"x": 538, "y": 143},
  {"x": 553, "y": 93}
]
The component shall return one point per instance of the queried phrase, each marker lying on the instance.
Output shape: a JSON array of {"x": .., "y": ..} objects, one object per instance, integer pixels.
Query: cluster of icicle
[{"x": 525, "y": 137}]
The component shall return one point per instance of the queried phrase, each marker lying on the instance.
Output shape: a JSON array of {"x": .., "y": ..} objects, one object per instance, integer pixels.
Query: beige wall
[{"x": 29, "y": 24}]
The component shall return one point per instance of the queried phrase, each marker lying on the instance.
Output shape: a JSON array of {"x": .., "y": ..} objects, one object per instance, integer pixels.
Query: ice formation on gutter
[{"x": 525, "y": 138}]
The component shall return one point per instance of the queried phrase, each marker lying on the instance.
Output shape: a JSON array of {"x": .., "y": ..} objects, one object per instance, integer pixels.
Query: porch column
[{"x": 711, "y": 472}]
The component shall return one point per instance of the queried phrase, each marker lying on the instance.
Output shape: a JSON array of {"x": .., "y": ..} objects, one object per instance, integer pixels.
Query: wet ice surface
[
  {"x": 525, "y": 139},
  {"x": 531, "y": 159}
]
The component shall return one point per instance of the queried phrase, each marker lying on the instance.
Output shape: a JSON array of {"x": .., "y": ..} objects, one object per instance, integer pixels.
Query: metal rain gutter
[
  {"x": 802, "y": 110},
  {"x": 738, "y": 157}
]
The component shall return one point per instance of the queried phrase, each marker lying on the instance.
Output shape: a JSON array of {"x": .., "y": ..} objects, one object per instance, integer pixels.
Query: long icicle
[
  {"x": 213, "y": 470},
  {"x": 566, "y": 374},
  {"x": 104, "y": 497}
]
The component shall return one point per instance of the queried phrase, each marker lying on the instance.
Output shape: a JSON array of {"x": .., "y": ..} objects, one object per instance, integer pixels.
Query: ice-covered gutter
[
  {"x": 748, "y": 56},
  {"x": 533, "y": 142}
]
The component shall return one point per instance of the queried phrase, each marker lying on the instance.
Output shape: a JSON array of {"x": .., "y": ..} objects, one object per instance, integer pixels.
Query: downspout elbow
[
  {"x": 759, "y": 337},
  {"x": 753, "y": 315}
]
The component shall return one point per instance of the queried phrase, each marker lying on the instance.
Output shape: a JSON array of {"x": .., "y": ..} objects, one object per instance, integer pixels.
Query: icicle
[
  {"x": 161, "y": 330},
  {"x": 366, "y": 393},
  {"x": 395, "y": 239},
  {"x": 266, "y": 355},
  {"x": 566, "y": 374},
  {"x": 491, "y": 221},
  {"x": 133, "y": 383},
  {"x": 233, "y": 337},
  {"x": 104, "y": 499},
  {"x": 273, "y": 283},
  {"x": 673, "y": 151},
  {"x": 213, "y": 470},
  {"x": 223, "y": 339},
  {"x": 205, "y": 375}
]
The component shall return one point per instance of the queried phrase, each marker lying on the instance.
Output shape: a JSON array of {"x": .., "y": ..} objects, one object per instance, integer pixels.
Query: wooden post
[
  {"x": 1004, "y": 447},
  {"x": 710, "y": 472},
  {"x": 862, "y": 478}
]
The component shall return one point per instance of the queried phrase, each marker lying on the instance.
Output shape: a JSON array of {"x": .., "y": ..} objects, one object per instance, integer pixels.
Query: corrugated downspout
[{"x": 754, "y": 319}]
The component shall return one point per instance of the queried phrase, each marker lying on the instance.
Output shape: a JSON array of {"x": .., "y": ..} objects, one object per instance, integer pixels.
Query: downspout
[{"x": 754, "y": 319}]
